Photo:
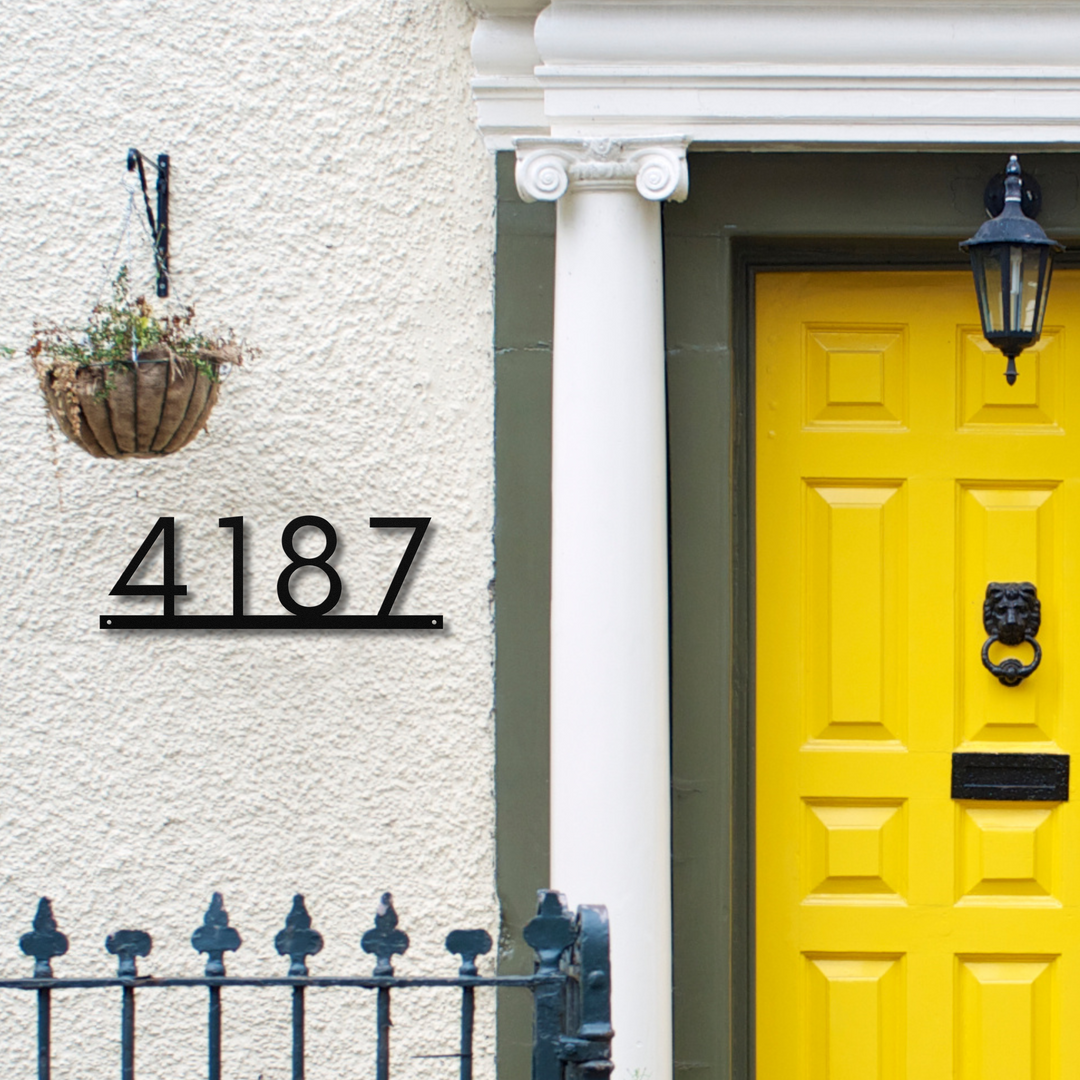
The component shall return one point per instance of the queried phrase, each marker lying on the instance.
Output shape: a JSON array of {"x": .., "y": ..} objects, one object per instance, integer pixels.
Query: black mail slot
[{"x": 1011, "y": 777}]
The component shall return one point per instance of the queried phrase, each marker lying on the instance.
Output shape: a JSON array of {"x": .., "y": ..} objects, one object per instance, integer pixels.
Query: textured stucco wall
[{"x": 333, "y": 203}]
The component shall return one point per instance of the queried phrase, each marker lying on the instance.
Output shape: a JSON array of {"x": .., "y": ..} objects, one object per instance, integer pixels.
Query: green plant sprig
[{"x": 123, "y": 328}]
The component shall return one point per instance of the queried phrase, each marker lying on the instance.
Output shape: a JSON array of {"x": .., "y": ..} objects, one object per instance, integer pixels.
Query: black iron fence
[{"x": 571, "y": 985}]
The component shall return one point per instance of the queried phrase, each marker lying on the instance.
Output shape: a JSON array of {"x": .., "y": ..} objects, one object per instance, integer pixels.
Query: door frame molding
[{"x": 854, "y": 210}]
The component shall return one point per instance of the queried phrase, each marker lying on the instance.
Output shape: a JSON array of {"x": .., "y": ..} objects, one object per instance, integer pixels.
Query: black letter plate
[{"x": 1011, "y": 777}]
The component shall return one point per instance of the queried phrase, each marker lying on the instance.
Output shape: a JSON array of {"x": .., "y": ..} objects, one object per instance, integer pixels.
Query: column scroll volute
[{"x": 542, "y": 174}]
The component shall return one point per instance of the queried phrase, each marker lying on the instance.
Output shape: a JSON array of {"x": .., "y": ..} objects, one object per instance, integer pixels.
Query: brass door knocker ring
[{"x": 1011, "y": 615}]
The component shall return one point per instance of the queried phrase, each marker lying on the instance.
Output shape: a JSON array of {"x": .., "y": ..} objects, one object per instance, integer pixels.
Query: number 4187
[{"x": 168, "y": 589}]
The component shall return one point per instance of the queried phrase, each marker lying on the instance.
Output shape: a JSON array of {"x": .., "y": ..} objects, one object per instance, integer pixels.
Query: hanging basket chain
[
  {"x": 132, "y": 223},
  {"x": 108, "y": 268}
]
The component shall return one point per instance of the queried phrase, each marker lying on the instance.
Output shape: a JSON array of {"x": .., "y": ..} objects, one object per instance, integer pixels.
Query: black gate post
[
  {"x": 587, "y": 1046},
  {"x": 572, "y": 1028}
]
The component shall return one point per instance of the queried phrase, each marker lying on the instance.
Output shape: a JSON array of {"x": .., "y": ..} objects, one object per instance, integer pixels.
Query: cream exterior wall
[{"x": 332, "y": 201}]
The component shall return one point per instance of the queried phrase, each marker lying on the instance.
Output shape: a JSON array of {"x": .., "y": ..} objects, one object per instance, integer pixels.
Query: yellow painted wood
[{"x": 900, "y": 934}]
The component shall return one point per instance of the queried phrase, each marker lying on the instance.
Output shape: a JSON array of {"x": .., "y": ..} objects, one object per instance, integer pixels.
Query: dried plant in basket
[{"x": 131, "y": 382}]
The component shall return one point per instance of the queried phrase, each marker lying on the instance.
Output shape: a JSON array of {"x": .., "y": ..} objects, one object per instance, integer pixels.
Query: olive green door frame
[{"x": 747, "y": 211}]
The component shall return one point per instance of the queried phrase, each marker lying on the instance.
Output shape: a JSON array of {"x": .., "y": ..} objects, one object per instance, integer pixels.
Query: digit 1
[{"x": 237, "y": 526}]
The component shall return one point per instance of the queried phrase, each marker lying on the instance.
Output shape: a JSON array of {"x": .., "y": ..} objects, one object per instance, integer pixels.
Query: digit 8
[{"x": 284, "y": 592}]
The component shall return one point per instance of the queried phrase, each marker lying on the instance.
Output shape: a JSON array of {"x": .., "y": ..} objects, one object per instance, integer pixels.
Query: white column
[{"x": 610, "y": 770}]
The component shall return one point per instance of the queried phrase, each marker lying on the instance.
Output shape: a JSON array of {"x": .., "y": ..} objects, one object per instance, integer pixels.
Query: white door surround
[{"x": 600, "y": 100}]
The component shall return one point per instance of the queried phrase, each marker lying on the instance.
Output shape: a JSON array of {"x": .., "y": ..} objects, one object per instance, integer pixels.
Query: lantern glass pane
[
  {"x": 1049, "y": 257},
  {"x": 986, "y": 267},
  {"x": 1024, "y": 265}
]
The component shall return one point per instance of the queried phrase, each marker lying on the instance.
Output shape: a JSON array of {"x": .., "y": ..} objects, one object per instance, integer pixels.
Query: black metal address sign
[{"x": 302, "y": 616}]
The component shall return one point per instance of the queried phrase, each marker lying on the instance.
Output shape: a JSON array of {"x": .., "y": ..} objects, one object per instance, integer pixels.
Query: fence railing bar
[
  {"x": 215, "y": 938},
  {"x": 468, "y": 944},
  {"x": 43, "y": 943},
  {"x": 214, "y": 1034},
  {"x": 468, "y": 1007},
  {"x": 44, "y": 1024},
  {"x": 298, "y": 1033},
  {"x": 127, "y": 1034},
  {"x": 382, "y": 1023},
  {"x": 550, "y": 935},
  {"x": 298, "y": 941},
  {"x": 363, "y": 982},
  {"x": 384, "y": 942},
  {"x": 127, "y": 946}
]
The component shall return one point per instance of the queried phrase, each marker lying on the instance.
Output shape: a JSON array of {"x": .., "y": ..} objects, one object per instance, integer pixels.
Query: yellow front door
[{"x": 902, "y": 933}]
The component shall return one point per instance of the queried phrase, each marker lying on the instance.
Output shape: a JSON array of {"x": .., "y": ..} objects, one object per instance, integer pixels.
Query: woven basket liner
[{"x": 156, "y": 407}]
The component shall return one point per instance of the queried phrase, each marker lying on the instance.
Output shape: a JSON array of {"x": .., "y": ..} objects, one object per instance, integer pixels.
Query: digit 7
[
  {"x": 168, "y": 590},
  {"x": 419, "y": 525}
]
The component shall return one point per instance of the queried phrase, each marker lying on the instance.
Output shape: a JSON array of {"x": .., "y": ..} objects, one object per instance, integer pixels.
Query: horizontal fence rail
[{"x": 571, "y": 984}]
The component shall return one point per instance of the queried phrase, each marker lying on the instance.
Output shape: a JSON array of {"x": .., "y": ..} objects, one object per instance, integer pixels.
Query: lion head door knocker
[{"x": 1011, "y": 615}]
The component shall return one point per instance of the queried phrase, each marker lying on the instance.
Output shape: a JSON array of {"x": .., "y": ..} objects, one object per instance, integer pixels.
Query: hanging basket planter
[
  {"x": 153, "y": 407},
  {"x": 132, "y": 383}
]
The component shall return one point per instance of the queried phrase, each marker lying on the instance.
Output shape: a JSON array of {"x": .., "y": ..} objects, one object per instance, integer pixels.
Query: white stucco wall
[{"x": 332, "y": 202}]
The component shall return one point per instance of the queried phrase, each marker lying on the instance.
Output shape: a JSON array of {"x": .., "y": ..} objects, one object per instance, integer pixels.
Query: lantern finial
[{"x": 1013, "y": 180}]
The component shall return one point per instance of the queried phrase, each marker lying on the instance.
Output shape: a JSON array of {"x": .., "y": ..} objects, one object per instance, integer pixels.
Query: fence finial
[
  {"x": 127, "y": 945},
  {"x": 551, "y": 932},
  {"x": 385, "y": 940},
  {"x": 298, "y": 941},
  {"x": 215, "y": 937},
  {"x": 468, "y": 944},
  {"x": 45, "y": 941}
]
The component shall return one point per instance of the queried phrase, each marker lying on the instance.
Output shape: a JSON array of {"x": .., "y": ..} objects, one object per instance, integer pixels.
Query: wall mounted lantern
[{"x": 1011, "y": 258}]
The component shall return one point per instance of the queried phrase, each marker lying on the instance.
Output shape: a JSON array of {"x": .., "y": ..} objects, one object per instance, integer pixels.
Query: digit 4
[{"x": 168, "y": 590}]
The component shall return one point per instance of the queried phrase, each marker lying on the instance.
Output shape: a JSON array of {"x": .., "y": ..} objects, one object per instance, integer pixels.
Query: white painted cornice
[
  {"x": 509, "y": 99},
  {"x": 785, "y": 72},
  {"x": 771, "y": 35}
]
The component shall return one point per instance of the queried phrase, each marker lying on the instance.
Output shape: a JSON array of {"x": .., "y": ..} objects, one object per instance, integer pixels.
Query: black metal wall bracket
[
  {"x": 159, "y": 227},
  {"x": 1030, "y": 195}
]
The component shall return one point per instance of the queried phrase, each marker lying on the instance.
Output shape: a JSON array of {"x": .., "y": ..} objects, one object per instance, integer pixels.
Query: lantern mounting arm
[
  {"x": 1030, "y": 194},
  {"x": 159, "y": 226}
]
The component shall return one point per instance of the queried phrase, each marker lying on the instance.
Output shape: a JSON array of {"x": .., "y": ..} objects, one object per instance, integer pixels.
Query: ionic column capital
[{"x": 655, "y": 165}]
